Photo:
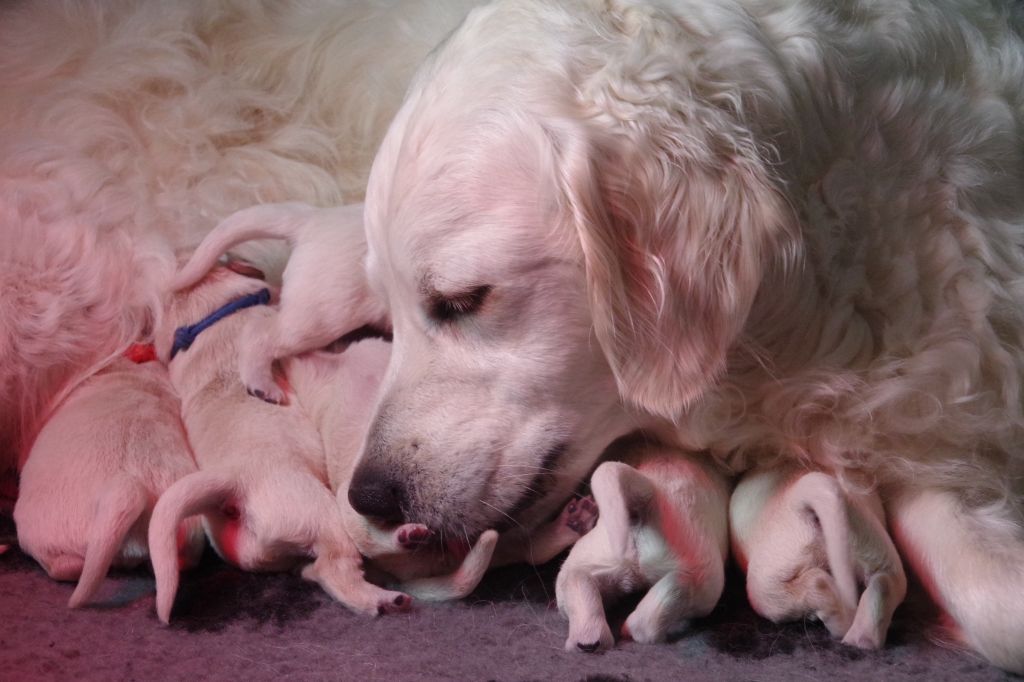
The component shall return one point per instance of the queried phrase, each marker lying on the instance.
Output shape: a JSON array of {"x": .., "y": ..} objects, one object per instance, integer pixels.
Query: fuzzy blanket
[{"x": 232, "y": 625}]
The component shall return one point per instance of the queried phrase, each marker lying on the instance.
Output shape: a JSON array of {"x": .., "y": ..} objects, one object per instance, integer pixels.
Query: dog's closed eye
[{"x": 448, "y": 308}]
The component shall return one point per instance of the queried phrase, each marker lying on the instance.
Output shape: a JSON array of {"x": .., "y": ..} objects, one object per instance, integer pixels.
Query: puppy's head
[{"x": 561, "y": 225}]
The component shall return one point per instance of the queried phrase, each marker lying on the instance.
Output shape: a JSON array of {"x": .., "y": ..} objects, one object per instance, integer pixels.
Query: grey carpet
[{"x": 229, "y": 625}]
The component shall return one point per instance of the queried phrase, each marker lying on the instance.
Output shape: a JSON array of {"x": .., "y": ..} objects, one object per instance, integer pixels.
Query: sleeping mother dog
[{"x": 764, "y": 230}]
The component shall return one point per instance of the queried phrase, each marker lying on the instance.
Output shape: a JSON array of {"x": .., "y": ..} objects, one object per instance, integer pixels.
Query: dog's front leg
[{"x": 972, "y": 563}]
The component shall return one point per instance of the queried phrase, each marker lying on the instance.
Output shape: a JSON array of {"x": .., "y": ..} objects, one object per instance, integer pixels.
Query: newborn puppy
[
  {"x": 807, "y": 545},
  {"x": 261, "y": 486},
  {"x": 324, "y": 293},
  {"x": 662, "y": 526},
  {"x": 339, "y": 392},
  {"x": 96, "y": 468}
]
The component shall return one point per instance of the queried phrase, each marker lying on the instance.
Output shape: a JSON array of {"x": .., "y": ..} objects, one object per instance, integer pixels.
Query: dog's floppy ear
[{"x": 678, "y": 217}]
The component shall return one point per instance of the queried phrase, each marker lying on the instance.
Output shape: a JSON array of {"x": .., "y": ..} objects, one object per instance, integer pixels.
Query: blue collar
[{"x": 185, "y": 336}]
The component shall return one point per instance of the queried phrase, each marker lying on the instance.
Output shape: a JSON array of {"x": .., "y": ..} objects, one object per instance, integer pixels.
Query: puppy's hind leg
[
  {"x": 340, "y": 574},
  {"x": 664, "y": 606},
  {"x": 256, "y": 355},
  {"x": 289, "y": 331},
  {"x": 881, "y": 596},
  {"x": 118, "y": 509},
  {"x": 622, "y": 494},
  {"x": 463, "y": 581},
  {"x": 580, "y": 600},
  {"x": 578, "y": 518},
  {"x": 690, "y": 590},
  {"x": 64, "y": 567},
  {"x": 338, "y": 568}
]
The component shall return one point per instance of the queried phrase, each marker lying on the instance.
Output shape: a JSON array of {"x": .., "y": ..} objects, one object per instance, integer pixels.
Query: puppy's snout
[{"x": 378, "y": 495}]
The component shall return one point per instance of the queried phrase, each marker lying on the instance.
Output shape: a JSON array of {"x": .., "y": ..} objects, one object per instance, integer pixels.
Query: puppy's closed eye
[{"x": 448, "y": 308}]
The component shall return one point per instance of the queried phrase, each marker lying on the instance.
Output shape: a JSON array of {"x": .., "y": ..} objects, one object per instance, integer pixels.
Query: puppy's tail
[
  {"x": 820, "y": 494},
  {"x": 118, "y": 510},
  {"x": 194, "y": 494},
  {"x": 266, "y": 221}
]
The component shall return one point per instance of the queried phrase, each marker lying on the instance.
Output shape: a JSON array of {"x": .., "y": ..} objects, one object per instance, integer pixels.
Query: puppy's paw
[
  {"x": 590, "y": 637},
  {"x": 580, "y": 515},
  {"x": 413, "y": 535},
  {"x": 640, "y": 628},
  {"x": 393, "y": 602},
  {"x": 864, "y": 638},
  {"x": 268, "y": 394}
]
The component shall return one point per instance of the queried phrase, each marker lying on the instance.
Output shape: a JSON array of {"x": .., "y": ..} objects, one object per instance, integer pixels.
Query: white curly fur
[
  {"x": 798, "y": 228},
  {"x": 132, "y": 119}
]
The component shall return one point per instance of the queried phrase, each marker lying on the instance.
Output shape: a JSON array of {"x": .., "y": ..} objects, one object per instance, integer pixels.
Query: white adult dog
[
  {"x": 339, "y": 391},
  {"x": 662, "y": 528},
  {"x": 789, "y": 229},
  {"x": 806, "y": 546},
  {"x": 94, "y": 473}
]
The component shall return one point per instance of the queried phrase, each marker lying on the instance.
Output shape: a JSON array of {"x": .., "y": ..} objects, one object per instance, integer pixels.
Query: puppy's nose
[{"x": 376, "y": 494}]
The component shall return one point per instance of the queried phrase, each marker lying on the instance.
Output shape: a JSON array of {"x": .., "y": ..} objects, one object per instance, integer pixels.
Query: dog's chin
[{"x": 539, "y": 487}]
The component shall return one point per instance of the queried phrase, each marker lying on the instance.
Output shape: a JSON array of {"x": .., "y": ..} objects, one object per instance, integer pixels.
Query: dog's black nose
[{"x": 375, "y": 494}]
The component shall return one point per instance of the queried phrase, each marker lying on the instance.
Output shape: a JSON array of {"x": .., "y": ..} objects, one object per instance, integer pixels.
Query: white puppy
[
  {"x": 325, "y": 268},
  {"x": 662, "y": 526},
  {"x": 261, "y": 487},
  {"x": 92, "y": 476},
  {"x": 807, "y": 546},
  {"x": 339, "y": 391}
]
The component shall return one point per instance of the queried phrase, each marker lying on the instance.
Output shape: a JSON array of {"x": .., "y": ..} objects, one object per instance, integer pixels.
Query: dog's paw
[
  {"x": 393, "y": 602},
  {"x": 413, "y": 535},
  {"x": 580, "y": 515},
  {"x": 589, "y": 638}
]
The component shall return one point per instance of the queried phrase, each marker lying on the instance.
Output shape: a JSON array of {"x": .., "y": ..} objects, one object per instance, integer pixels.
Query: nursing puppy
[
  {"x": 95, "y": 471},
  {"x": 807, "y": 546},
  {"x": 326, "y": 262},
  {"x": 261, "y": 487},
  {"x": 338, "y": 391},
  {"x": 662, "y": 528}
]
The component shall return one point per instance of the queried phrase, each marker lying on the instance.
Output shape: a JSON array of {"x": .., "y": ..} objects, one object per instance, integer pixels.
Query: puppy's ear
[{"x": 679, "y": 218}]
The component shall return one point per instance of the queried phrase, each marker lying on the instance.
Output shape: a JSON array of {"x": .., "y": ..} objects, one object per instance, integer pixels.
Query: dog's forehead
[{"x": 467, "y": 237}]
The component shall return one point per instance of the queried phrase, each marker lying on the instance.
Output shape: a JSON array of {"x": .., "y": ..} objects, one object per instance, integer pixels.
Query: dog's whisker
[{"x": 505, "y": 514}]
